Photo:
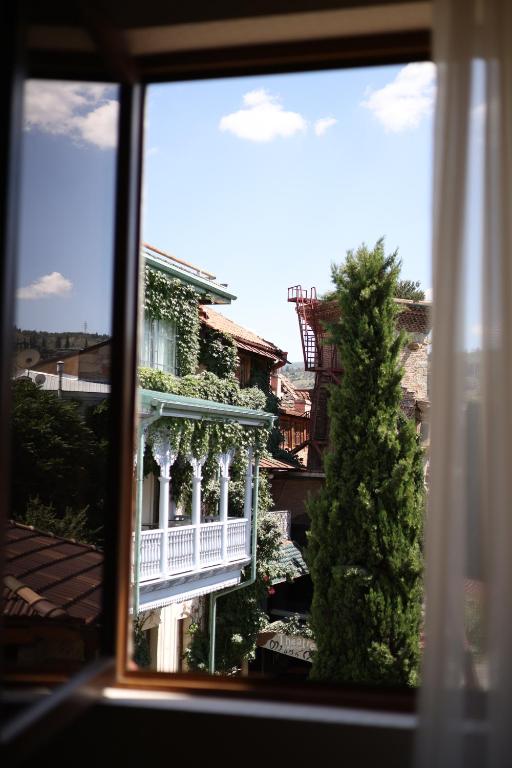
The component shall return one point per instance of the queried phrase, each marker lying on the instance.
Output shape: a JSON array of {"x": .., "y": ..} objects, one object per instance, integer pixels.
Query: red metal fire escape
[
  {"x": 304, "y": 305},
  {"x": 320, "y": 356}
]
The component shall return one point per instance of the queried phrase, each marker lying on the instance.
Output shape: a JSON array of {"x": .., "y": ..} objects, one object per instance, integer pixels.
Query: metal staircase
[{"x": 304, "y": 304}]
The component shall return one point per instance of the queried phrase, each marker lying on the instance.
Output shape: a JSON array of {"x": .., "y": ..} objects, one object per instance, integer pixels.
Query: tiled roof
[
  {"x": 243, "y": 338},
  {"x": 290, "y": 390},
  {"x": 290, "y": 558},
  {"x": 51, "y": 574},
  {"x": 275, "y": 464},
  {"x": 415, "y": 317},
  {"x": 20, "y": 600},
  {"x": 304, "y": 393},
  {"x": 292, "y": 411}
]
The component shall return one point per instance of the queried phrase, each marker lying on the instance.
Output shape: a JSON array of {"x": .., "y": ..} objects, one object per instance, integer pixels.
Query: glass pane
[
  {"x": 61, "y": 380},
  {"x": 266, "y": 182}
]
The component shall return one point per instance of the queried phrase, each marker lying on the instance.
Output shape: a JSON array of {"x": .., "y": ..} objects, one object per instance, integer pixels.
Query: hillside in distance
[
  {"x": 49, "y": 343},
  {"x": 298, "y": 376}
]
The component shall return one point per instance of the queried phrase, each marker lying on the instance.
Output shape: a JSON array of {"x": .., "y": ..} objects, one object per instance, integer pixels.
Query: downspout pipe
[
  {"x": 215, "y": 595},
  {"x": 145, "y": 422}
]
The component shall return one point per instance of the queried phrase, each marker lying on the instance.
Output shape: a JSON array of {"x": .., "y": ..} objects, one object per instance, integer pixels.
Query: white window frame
[{"x": 159, "y": 345}]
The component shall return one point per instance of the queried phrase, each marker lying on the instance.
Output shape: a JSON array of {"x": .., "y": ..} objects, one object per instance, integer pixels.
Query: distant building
[
  {"x": 186, "y": 550},
  {"x": 89, "y": 364},
  {"x": 294, "y": 418},
  {"x": 255, "y": 354},
  {"x": 322, "y": 357}
]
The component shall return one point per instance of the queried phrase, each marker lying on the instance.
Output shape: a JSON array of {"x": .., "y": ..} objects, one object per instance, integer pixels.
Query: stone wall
[{"x": 414, "y": 359}]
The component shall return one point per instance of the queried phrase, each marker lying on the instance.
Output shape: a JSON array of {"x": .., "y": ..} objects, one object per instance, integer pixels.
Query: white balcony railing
[{"x": 181, "y": 555}]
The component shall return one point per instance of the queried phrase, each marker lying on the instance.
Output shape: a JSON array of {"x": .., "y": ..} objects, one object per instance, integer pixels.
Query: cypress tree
[{"x": 364, "y": 548}]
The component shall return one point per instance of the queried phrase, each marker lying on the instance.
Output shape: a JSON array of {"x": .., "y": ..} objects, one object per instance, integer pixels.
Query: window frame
[
  {"x": 153, "y": 331},
  {"x": 133, "y": 73}
]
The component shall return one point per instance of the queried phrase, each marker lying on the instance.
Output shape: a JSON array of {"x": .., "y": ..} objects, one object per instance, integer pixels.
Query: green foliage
[
  {"x": 206, "y": 438},
  {"x": 293, "y": 626},
  {"x": 300, "y": 378},
  {"x": 408, "y": 289},
  {"x": 240, "y": 614},
  {"x": 205, "y": 386},
  {"x": 73, "y": 524},
  {"x": 217, "y": 352},
  {"x": 57, "y": 457},
  {"x": 364, "y": 548},
  {"x": 166, "y": 298},
  {"x": 141, "y": 653}
]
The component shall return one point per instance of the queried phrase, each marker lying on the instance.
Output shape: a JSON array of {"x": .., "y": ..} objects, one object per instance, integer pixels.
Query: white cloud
[
  {"x": 99, "y": 126},
  {"x": 53, "y": 284},
  {"x": 323, "y": 124},
  {"x": 403, "y": 103},
  {"x": 262, "y": 119},
  {"x": 81, "y": 111}
]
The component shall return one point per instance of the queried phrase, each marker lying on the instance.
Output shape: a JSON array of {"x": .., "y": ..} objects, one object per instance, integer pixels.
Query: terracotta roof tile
[
  {"x": 275, "y": 464},
  {"x": 63, "y": 573}
]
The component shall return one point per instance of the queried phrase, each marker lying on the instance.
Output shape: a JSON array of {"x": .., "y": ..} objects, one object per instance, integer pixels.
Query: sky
[{"x": 264, "y": 181}]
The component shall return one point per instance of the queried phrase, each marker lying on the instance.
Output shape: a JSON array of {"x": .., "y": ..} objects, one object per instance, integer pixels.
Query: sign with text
[{"x": 291, "y": 645}]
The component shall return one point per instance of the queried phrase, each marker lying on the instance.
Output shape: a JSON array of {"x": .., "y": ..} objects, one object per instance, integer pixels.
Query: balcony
[
  {"x": 185, "y": 557},
  {"x": 165, "y": 553}
]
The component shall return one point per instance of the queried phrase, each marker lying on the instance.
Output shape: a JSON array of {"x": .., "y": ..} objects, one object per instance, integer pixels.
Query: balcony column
[
  {"x": 165, "y": 458},
  {"x": 138, "y": 465},
  {"x": 224, "y": 460},
  {"x": 248, "y": 501},
  {"x": 197, "y": 476}
]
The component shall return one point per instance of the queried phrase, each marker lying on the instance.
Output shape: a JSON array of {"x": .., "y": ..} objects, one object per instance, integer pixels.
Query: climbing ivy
[
  {"x": 166, "y": 298},
  {"x": 217, "y": 352},
  {"x": 201, "y": 438}
]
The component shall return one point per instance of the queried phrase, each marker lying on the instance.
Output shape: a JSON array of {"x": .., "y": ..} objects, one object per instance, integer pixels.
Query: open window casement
[{"x": 146, "y": 45}]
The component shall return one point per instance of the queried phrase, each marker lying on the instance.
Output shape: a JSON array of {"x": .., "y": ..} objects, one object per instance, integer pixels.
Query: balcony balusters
[
  {"x": 248, "y": 500},
  {"x": 224, "y": 460},
  {"x": 197, "y": 476},
  {"x": 165, "y": 458}
]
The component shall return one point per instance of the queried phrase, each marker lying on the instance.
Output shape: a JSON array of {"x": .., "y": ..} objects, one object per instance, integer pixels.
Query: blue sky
[
  {"x": 67, "y": 197},
  {"x": 241, "y": 179}
]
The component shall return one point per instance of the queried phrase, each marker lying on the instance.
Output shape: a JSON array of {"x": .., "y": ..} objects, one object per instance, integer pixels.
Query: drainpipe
[
  {"x": 215, "y": 595},
  {"x": 138, "y": 506}
]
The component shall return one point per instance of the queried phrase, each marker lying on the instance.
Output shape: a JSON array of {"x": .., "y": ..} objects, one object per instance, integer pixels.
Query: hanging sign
[{"x": 291, "y": 645}]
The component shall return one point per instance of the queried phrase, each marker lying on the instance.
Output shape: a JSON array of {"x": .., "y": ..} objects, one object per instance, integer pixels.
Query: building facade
[{"x": 190, "y": 540}]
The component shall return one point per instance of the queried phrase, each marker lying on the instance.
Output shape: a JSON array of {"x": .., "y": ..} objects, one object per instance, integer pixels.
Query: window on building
[{"x": 159, "y": 345}]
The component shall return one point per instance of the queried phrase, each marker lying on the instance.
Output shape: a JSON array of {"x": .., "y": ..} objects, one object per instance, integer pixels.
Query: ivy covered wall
[
  {"x": 240, "y": 615},
  {"x": 167, "y": 298},
  {"x": 218, "y": 352}
]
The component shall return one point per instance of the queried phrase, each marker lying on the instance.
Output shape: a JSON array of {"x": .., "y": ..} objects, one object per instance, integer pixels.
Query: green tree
[
  {"x": 55, "y": 456},
  {"x": 73, "y": 524},
  {"x": 364, "y": 548},
  {"x": 408, "y": 289}
]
